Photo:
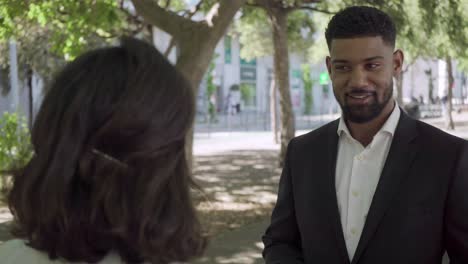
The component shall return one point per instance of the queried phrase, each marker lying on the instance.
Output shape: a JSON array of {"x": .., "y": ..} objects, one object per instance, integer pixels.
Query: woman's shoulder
[{"x": 16, "y": 251}]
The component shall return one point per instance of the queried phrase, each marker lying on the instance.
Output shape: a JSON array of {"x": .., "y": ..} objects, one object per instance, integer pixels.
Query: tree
[
  {"x": 74, "y": 26},
  {"x": 47, "y": 33},
  {"x": 425, "y": 29},
  {"x": 195, "y": 40},
  {"x": 308, "y": 85},
  {"x": 211, "y": 93},
  {"x": 47, "y": 30},
  {"x": 285, "y": 19},
  {"x": 15, "y": 147},
  {"x": 431, "y": 28},
  {"x": 448, "y": 38}
]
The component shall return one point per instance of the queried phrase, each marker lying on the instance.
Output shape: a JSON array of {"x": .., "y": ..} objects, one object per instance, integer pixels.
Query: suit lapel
[
  {"x": 399, "y": 160},
  {"x": 330, "y": 201}
]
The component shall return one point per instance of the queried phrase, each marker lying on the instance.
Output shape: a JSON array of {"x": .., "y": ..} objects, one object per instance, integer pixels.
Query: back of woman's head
[{"x": 109, "y": 171}]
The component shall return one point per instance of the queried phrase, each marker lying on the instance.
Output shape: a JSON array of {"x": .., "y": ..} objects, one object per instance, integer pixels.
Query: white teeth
[{"x": 358, "y": 96}]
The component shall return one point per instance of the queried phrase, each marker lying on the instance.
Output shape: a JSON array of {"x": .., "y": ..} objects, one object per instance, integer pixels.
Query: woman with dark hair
[{"x": 108, "y": 182}]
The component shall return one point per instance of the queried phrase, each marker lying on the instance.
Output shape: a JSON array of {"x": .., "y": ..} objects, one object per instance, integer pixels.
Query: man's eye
[
  {"x": 341, "y": 68},
  {"x": 372, "y": 66}
]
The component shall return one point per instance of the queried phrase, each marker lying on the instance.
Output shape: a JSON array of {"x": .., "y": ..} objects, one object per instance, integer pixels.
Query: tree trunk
[
  {"x": 399, "y": 85},
  {"x": 449, "y": 119},
  {"x": 193, "y": 61},
  {"x": 273, "y": 111},
  {"x": 279, "y": 19},
  {"x": 195, "y": 41},
  {"x": 431, "y": 87},
  {"x": 463, "y": 89},
  {"x": 29, "y": 75}
]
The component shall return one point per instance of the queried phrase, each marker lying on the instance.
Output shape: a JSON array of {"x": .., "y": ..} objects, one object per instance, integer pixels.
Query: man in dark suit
[{"x": 375, "y": 186}]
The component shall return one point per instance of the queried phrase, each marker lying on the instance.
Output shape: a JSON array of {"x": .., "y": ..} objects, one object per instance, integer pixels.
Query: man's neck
[{"x": 364, "y": 133}]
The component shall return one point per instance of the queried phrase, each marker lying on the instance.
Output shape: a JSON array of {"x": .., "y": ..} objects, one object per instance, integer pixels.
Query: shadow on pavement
[
  {"x": 240, "y": 188},
  {"x": 238, "y": 246},
  {"x": 5, "y": 232}
]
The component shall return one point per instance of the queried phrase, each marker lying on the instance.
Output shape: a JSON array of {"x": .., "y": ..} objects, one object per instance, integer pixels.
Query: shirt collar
[{"x": 389, "y": 125}]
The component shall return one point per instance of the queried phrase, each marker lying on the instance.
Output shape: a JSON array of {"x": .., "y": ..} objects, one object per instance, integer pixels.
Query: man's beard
[{"x": 364, "y": 113}]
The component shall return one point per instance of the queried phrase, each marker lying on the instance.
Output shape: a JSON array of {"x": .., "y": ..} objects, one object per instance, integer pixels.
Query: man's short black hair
[{"x": 361, "y": 21}]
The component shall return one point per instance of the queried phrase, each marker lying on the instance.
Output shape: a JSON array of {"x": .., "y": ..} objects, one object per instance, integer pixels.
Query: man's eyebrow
[
  {"x": 366, "y": 59},
  {"x": 339, "y": 61},
  {"x": 374, "y": 58}
]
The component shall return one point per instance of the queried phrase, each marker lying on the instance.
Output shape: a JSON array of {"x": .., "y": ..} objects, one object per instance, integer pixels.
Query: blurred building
[{"x": 245, "y": 85}]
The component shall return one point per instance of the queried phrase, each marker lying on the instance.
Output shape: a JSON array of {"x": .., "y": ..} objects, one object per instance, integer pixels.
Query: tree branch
[
  {"x": 253, "y": 5},
  {"x": 311, "y": 1},
  {"x": 315, "y": 9},
  {"x": 169, "y": 48},
  {"x": 191, "y": 13},
  {"x": 226, "y": 10},
  {"x": 164, "y": 19},
  {"x": 266, "y": 4},
  {"x": 131, "y": 17}
]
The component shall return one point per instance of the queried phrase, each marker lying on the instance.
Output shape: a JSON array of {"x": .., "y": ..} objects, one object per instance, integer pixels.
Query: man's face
[{"x": 361, "y": 71}]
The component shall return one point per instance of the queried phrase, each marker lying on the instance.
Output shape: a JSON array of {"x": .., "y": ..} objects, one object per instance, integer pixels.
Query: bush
[
  {"x": 247, "y": 93},
  {"x": 15, "y": 146}
]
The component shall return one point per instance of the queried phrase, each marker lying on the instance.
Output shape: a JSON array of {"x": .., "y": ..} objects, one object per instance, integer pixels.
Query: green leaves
[
  {"x": 255, "y": 34},
  {"x": 428, "y": 28},
  {"x": 308, "y": 85},
  {"x": 15, "y": 146},
  {"x": 256, "y": 37},
  {"x": 49, "y": 32},
  {"x": 70, "y": 26}
]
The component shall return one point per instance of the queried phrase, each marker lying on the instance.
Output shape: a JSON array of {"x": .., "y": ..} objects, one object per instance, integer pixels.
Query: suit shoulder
[
  {"x": 320, "y": 133},
  {"x": 436, "y": 135}
]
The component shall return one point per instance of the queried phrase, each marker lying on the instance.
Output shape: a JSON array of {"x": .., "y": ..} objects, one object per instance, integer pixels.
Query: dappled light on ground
[
  {"x": 247, "y": 249},
  {"x": 240, "y": 187},
  {"x": 5, "y": 224}
]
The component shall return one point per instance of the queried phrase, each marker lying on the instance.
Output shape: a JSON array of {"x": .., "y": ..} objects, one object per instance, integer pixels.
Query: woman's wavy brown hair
[{"x": 109, "y": 172}]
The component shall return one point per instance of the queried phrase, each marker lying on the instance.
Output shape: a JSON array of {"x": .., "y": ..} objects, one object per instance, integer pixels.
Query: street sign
[{"x": 323, "y": 78}]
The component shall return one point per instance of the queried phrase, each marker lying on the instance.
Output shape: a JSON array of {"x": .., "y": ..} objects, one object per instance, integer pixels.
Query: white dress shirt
[{"x": 358, "y": 170}]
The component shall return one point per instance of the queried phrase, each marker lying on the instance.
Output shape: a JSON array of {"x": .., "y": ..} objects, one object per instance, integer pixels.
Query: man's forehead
[{"x": 359, "y": 48}]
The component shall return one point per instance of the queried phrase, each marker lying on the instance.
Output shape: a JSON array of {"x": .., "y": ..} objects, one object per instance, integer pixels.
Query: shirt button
[
  {"x": 355, "y": 193},
  {"x": 353, "y": 231}
]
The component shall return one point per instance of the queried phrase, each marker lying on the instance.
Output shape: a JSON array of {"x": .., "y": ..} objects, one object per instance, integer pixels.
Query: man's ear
[
  {"x": 328, "y": 63},
  {"x": 398, "y": 58}
]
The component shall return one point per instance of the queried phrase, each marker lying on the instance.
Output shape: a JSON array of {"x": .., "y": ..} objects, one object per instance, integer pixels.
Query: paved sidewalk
[
  {"x": 238, "y": 170},
  {"x": 240, "y": 246},
  {"x": 243, "y": 245}
]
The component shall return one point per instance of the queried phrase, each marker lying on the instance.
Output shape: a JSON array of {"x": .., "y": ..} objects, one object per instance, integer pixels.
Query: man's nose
[{"x": 358, "y": 78}]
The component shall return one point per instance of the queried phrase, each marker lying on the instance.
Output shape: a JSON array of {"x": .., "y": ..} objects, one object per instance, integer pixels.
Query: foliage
[
  {"x": 428, "y": 28},
  {"x": 175, "y": 6},
  {"x": 247, "y": 93},
  {"x": 255, "y": 34},
  {"x": 15, "y": 146},
  {"x": 308, "y": 85},
  {"x": 71, "y": 24},
  {"x": 210, "y": 91},
  {"x": 256, "y": 37},
  {"x": 318, "y": 50},
  {"x": 49, "y": 32}
]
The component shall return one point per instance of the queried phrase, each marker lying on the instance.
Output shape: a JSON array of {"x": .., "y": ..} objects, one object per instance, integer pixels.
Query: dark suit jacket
[{"x": 419, "y": 210}]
